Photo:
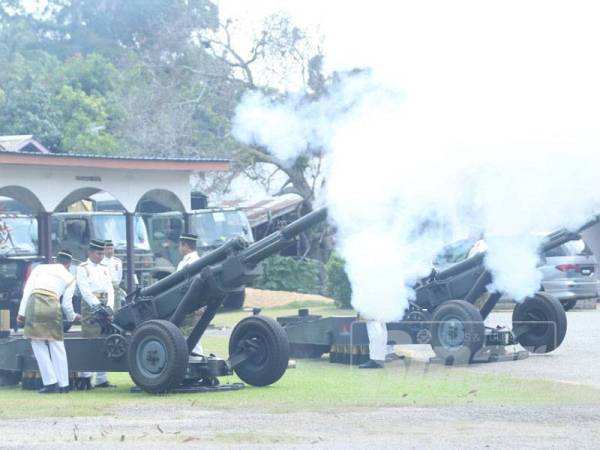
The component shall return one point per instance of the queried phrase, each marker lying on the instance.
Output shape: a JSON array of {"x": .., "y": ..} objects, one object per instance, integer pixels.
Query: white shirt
[
  {"x": 54, "y": 278},
  {"x": 95, "y": 278},
  {"x": 188, "y": 259},
  {"x": 115, "y": 268}
]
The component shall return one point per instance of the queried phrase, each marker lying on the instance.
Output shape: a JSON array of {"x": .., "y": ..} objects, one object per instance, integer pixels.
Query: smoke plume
[{"x": 473, "y": 117}]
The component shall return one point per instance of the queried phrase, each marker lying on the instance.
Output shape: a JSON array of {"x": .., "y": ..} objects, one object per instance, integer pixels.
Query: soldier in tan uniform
[
  {"x": 95, "y": 284},
  {"x": 115, "y": 268},
  {"x": 41, "y": 312}
]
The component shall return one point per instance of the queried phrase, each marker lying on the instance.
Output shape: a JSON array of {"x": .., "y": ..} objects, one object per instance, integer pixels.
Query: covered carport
[{"x": 47, "y": 183}]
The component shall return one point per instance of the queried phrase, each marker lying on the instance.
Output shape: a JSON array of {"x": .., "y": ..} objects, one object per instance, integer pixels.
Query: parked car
[{"x": 569, "y": 272}]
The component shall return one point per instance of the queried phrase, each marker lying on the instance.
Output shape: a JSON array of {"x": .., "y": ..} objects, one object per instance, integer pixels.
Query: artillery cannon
[
  {"x": 448, "y": 312},
  {"x": 144, "y": 337}
]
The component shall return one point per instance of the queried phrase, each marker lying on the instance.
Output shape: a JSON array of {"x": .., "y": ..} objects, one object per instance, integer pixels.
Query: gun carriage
[
  {"x": 448, "y": 313},
  {"x": 145, "y": 339}
]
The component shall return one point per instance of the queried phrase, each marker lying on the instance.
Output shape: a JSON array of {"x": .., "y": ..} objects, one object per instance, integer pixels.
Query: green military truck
[
  {"x": 74, "y": 230},
  {"x": 18, "y": 256},
  {"x": 214, "y": 226}
]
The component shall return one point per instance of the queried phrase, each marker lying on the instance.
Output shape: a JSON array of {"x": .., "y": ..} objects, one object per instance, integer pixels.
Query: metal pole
[
  {"x": 129, "y": 249},
  {"x": 45, "y": 240},
  {"x": 187, "y": 222}
]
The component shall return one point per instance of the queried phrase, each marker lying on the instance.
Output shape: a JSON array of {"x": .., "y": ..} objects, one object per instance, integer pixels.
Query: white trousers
[
  {"x": 51, "y": 358},
  {"x": 101, "y": 377},
  {"x": 378, "y": 337}
]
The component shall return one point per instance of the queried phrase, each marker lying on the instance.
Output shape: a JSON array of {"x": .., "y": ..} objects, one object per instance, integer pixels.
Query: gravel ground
[
  {"x": 440, "y": 428},
  {"x": 472, "y": 427}
]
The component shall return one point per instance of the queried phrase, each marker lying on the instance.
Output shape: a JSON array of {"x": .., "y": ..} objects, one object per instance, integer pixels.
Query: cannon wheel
[
  {"x": 270, "y": 361},
  {"x": 457, "y": 332},
  {"x": 157, "y": 356},
  {"x": 540, "y": 323},
  {"x": 9, "y": 378}
]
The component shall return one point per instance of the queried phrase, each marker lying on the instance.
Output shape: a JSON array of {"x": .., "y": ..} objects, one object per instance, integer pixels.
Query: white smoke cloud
[{"x": 474, "y": 116}]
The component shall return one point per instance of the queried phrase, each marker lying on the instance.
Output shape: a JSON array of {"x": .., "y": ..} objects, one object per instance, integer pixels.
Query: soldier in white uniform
[
  {"x": 187, "y": 248},
  {"x": 379, "y": 350},
  {"x": 49, "y": 291},
  {"x": 95, "y": 284},
  {"x": 115, "y": 268}
]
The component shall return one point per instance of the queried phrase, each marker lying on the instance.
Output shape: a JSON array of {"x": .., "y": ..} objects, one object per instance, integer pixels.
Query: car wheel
[{"x": 568, "y": 304}]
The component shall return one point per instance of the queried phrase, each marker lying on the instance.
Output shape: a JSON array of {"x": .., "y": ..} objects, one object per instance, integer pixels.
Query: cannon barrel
[
  {"x": 180, "y": 276},
  {"x": 551, "y": 241},
  {"x": 273, "y": 243},
  {"x": 249, "y": 254}
]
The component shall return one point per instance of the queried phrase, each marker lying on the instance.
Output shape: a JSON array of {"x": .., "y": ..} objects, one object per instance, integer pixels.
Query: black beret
[{"x": 96, "y": 244}]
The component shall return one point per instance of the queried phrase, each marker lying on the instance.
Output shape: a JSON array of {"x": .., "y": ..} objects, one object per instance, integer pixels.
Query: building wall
[{"x": 59, "y": 186}]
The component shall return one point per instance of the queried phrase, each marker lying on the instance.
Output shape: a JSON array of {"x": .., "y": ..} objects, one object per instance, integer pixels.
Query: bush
[
  {"x": 338, "y": 284},
  {"x": 286, "y": 273}
]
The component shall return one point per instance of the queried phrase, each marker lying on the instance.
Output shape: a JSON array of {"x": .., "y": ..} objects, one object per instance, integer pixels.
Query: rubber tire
[
  {"x": 9, "y": 378},
  {"x": 551, "y": 309},
  {"x": 269, "y": 365},
  {"x": 568, "y": 304},
  {"x": 474, "y": 329},
  {"x": 177, "y": 356},
  {"x": 235, "y": 300}
]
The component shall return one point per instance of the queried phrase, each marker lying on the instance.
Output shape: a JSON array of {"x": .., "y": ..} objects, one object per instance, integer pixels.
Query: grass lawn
[{"x": 314, "y": 386}]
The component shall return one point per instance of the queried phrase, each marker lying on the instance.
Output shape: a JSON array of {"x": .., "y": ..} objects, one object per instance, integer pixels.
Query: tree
[
  {"x": 281, "y": 54},
  {"x": 49, "y": 100},
  {"x": 85, "y": 120}
]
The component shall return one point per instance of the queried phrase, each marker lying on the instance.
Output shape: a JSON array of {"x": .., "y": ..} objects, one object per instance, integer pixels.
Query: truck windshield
[
  {"x": 108, "y": 226},
  {"x": 215, "y": 227},
  {"x": 18, "y": 236}
]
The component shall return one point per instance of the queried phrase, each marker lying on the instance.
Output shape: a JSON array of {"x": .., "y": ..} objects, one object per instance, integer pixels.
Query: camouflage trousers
[
  {"x": 43, "y": 317},
  {"x": 119, "y": 297},
  {"x": 89, "y": 329}
]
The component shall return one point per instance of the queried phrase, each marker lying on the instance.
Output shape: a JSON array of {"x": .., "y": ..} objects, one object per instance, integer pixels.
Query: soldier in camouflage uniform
[{"x": 41, "y": 313}]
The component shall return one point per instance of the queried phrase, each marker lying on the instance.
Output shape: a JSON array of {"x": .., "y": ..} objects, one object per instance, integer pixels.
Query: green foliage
[
  {"x": 66, "y": 107},
  {"x": 85, "y": 121},
  {"x": 285, "y": 273},
  {"x": 338, "y": 283},
  {"x": 94, "y": 74}
]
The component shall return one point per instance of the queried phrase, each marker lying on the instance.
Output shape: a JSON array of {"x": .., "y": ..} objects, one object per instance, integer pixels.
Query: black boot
[
  {"x": 371, "y": 364},
  {"x": 50, "y": 389},
  {"x": 64, "y": 390},
  {"x": 106, "y": 384}
]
